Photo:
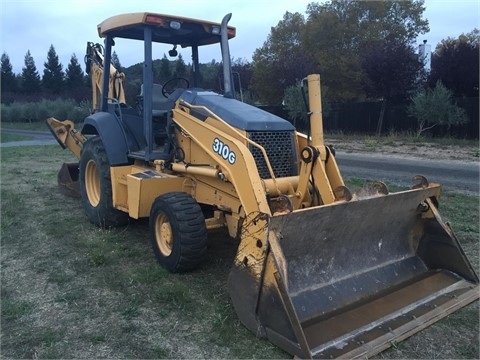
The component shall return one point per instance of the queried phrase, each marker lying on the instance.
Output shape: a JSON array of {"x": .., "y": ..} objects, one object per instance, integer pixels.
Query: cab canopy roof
[{"x": 167, "y": 29}]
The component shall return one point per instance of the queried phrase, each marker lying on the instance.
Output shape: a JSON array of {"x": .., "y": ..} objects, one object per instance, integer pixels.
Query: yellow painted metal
[
  {"x": 118, "y": 175},
  {"x": 207, "y": 171},
  {"x": 281, "y": 186},
  {"x": 115, "y": 83},
  {"x": 223, "y": 126},
  {"x": 123, "y": 22},
  {"x": 66, "y": 135},
  {"x": 322, "y": 167},
  {"x": 333, "y": 172},
  {"x": 315, "y": 102},
  {"x": 302, "y": 187},
  {"x": 134, "y": 188},
  {"x": 92, "y": 183},
  {"x": 163, "y": 234},
  {"x": 234, "y": 223},
  {"x": 142, "y": 191},
  {"x": 243, "y": 173},
  {"x": 218, "y": 193},
  {"x": 323, "y": 182},
  {"x": 217, "y": 221}
]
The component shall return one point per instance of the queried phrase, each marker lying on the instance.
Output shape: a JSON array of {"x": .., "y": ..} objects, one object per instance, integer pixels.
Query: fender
[{"x": 109, "y": 129}]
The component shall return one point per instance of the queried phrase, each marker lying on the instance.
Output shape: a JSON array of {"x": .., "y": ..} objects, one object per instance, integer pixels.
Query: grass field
[
  {"x": 4, "y": 137},
  {"x": 72, "y": 290},
  {"x": 36, "y": 126}
]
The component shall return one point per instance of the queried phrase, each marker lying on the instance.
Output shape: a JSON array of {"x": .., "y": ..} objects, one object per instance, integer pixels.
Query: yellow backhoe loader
[{"x": 319, "y": 271}]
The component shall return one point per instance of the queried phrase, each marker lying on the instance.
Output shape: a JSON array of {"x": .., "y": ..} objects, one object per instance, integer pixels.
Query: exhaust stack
[{"x": 227, "y": 66}]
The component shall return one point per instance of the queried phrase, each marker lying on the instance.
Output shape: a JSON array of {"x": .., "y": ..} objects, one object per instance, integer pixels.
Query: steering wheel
[{"x": 171, "y": 85}]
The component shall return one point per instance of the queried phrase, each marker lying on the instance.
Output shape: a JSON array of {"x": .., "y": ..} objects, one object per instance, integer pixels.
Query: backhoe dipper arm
[{"x": 94, "y": 61}]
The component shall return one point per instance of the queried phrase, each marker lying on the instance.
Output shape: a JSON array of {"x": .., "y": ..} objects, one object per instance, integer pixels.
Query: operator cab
[{"x": 148, "y": 136}]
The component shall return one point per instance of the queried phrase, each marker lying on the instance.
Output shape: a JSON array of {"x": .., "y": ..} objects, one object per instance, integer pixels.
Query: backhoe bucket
[
  {"x": 68, "y": 137},
  {"x": 350, "y": 279},
  {"x": 67, "y": 179}
]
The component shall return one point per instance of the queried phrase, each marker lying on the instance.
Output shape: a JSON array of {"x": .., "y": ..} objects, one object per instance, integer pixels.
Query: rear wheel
[
  {"x": 96, "y": 186},
  {"x": 178, "y": 232}
]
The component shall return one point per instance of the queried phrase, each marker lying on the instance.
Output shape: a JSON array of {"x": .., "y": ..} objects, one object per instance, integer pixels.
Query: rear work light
[{"x": 175, "y": 25}]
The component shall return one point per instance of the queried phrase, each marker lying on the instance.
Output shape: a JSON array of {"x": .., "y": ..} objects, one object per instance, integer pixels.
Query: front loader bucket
[
  {"x": 350, "y": 279},
  {"x": 67, "y": 179}
]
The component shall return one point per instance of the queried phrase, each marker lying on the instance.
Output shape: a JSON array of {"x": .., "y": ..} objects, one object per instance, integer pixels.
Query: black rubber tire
[
  {"x": 178, "y": 232},
  {"x": 96, "y": 186}
]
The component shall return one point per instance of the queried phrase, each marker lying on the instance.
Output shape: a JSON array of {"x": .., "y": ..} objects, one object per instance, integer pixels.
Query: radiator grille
[{"x": 280, "y": 148}]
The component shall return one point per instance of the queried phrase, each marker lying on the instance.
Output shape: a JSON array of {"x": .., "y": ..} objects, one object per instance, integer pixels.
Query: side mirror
[{"x": 173, "y": 52}]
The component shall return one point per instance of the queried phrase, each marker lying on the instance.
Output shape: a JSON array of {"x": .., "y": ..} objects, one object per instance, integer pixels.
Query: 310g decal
[{"x": 223, "y": 150}]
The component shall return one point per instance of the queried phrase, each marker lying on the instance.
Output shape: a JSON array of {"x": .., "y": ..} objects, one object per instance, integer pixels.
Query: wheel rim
[
  {"x": 163, "y": 234},
  {"x": 92, "y": 183}
]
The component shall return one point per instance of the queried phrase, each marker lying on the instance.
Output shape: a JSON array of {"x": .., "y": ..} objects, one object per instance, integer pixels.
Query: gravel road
[{"x": 454, "y": 175}]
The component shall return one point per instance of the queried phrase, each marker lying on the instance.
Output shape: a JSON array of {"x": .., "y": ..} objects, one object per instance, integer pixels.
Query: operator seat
[
  {"x": 161, "y": 108},
  {"x": 161, "y": 104}
]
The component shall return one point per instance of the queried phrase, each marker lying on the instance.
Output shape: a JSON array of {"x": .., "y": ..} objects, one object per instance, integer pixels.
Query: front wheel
[{"x": 178, "y": 232}]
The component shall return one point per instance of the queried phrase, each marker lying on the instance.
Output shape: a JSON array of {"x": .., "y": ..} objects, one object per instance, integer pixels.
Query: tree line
[
  {"x": 364, "y": 51},
  {"x": 55, "y": 82},
  {"x": 73, "y": 83}
]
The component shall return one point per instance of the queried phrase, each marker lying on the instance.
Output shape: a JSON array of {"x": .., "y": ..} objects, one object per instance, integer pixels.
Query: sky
[{"x": 68, "y": 24}]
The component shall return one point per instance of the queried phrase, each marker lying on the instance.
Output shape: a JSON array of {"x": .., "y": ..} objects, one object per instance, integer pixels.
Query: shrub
[
  {"x": 41, "y": 110},
  {"x": 436, "y": 107}
]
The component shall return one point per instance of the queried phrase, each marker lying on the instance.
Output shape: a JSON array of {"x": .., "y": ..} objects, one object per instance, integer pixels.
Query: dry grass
[
  {"x": 71, "y": 290},
  {"x": 404, "y": 146}
]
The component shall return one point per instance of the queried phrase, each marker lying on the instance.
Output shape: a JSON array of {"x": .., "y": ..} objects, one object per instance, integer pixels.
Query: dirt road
[
  {"x": 454, "y": 175},
  {"x": 457, "y": 169}
]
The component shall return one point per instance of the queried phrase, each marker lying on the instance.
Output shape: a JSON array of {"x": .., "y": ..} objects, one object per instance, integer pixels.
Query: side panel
[
  {"x": 135, "y": 188},
  {"x": 145, "y": 187},
  {"x": 234, "y": 160},
  {"x": 113, "y": 137}
]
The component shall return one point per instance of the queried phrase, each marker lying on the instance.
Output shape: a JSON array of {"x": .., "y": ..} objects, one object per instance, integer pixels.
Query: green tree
[
  {"x": 210, "y": 74},
  {"x": 295, "y": 104},
  {"x": 30, "y": 79},
  {"x": 116, "y": 62},
  {"x": 180, "y": 67},
  {"x": 8, "y": 80},
  {"x": 332, "y": 41},
  {"x": 165, "y": 71},
  {"x": 434, "y": 107},
  {"x": 295, "y": 101},
  {"x": 74, "y": 76},
  {"x": 339, "y": 32},
  {"x": 282, "y": 60},
  {"x": 242, "y": 77},
  {"x": 53, "y": 76},
  {"x": 392, "y": 71},
  {"x": 455, "y": 62}
]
